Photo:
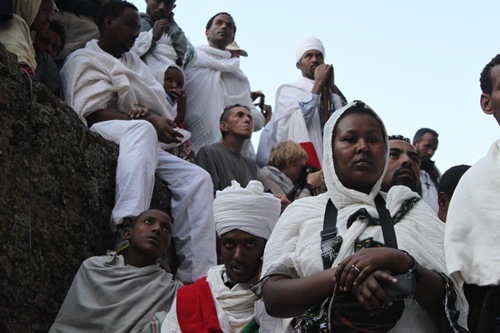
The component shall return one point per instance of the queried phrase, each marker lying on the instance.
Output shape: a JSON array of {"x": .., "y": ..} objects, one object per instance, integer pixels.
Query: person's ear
[
  {"x": 486, "y": 104},
  {"x": 443, "y": 200},
  {"x": 223, "y": 126},
  {"x": 207, "y": 32},
  {"x": 108, "y": 21},
  {"x": 127, "y": 234},
  {"x": 297, "y": 64}
]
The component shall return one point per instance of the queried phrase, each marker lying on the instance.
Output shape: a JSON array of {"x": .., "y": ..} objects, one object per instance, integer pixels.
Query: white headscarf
[
  {"x": 247, "y": 209},
  {"x": 307, "y": 44},
  {"x": 294, "y": 247}
]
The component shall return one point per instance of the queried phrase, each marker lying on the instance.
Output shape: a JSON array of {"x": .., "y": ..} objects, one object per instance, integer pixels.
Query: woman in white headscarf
[{"x": 355, "y": 160}]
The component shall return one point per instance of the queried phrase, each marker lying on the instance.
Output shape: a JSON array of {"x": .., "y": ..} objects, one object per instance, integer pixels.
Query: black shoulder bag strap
[{"x": 330, "y": 232}]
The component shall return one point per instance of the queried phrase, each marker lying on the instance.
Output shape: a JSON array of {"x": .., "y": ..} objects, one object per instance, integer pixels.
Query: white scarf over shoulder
[
  {"x": 288, "y": 122},
  {"x": 93, "y": 79},
  {"x": 472, "y": 224},
  {"x": 109, "y": 296},
  {"x": 214, "y": 80},
  {"x": 294, "y": 246},
  {"x": 235, "y": 306}
]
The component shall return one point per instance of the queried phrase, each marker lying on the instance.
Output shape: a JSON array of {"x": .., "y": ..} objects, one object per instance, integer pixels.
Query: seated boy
[{"x": 113, "y": 293}]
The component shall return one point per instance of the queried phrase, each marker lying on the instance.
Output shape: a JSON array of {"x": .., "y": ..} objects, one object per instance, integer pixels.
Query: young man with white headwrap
[
  {"x": 299, "y": 112},
  {"x": 223, "y": 302}
]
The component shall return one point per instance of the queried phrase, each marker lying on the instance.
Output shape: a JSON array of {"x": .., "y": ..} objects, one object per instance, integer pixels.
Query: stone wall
[{"x": 56, "y": 195}]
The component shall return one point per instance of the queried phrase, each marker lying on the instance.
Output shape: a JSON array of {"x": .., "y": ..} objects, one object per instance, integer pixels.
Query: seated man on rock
[
  {"x": 222, "y": 301},
  {"x": 116, "y": 95},
  {"x": 115, "y": 293}
]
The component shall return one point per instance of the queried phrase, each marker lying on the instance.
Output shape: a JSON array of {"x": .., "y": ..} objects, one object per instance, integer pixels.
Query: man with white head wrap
[
  {"x": 222, "y": 301},
  {"x": 299, "y": 109}
]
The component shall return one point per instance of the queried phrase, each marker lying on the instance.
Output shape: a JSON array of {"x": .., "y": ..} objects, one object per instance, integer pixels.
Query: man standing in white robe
[
  {"x": 298, "y": 114},
  {"x": 214, "y": 81},
  {"x": 472, "y": 225},
  {"x": 116, "y": 95}
]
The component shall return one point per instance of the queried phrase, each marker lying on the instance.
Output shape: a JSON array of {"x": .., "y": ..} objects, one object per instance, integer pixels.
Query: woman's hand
[
  {"x": 370, "y": 293},
  {"x": 353, "y": 270}
]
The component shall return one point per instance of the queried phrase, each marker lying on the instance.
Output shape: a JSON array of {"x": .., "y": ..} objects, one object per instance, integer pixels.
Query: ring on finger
[{"x": 356, "y": 268}]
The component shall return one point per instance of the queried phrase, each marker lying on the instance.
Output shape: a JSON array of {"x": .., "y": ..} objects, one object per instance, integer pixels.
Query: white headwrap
[
  {"x": 307, "y": 44},
  {"x": 247, "y": 209}
]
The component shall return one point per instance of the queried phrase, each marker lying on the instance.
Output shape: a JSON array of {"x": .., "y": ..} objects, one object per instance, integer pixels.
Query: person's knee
[{"x": 143, "y": 129}]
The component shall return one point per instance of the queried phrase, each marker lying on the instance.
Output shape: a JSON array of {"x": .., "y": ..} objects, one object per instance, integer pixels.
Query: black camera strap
[{"x": 330, "y": 241}]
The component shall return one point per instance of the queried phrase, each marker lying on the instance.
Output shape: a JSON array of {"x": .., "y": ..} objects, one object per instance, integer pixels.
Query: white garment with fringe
[
  {"x": 472, "y": 224},
  {"x": 294, "y": 245}
]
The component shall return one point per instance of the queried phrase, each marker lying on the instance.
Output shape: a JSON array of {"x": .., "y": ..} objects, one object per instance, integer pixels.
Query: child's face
[{"x": 173, "y": 80}]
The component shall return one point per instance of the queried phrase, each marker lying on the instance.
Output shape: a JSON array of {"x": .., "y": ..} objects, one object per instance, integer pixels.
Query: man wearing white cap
[
  {"x": 222, "y": 301},
  {"x": 301, "y": 110}
]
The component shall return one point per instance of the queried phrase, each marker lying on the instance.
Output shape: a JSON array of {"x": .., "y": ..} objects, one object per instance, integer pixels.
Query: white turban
[
  {"x": 247, "y": 209},
  {"x": 308, "y": 44}
]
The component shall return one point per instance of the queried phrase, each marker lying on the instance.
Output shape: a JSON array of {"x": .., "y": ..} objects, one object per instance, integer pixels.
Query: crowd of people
[{"x": 331, "y": 225}]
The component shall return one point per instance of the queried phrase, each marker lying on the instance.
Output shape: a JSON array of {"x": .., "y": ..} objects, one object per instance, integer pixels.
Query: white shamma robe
[
  {"x": 214, "y": 81},
  {"x": 472, "y": 224},
  {"x": 294, "y": 246}
]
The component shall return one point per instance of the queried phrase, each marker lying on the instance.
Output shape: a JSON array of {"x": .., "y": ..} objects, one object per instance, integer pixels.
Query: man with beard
[
  {"x": 158, "y": 21},
  {"x": 426, "y": 143},
  {"x": 303, "y": 107},
  {"x": 403, "y": 167}
]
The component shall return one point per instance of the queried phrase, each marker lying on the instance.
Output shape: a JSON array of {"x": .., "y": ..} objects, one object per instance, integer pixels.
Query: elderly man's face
[
  {"x": 403, "y": 167},
  {"x": 309, "y": 62},
  {"x": 241, "y": 254}
]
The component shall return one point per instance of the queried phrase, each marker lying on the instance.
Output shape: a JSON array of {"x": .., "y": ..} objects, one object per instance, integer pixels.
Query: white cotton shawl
[
  {"x": 288, "y": 122},
  {"x": 472, "y": 224},
  {"x": 214, "y": 80},
  {"x": 295, "y": 241},
  {"x": 144, "y": 45},
  {"x": 93, "y": 79},
  {"x": 235, "y": 306},
  {"x": 109, "y": 296}
]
